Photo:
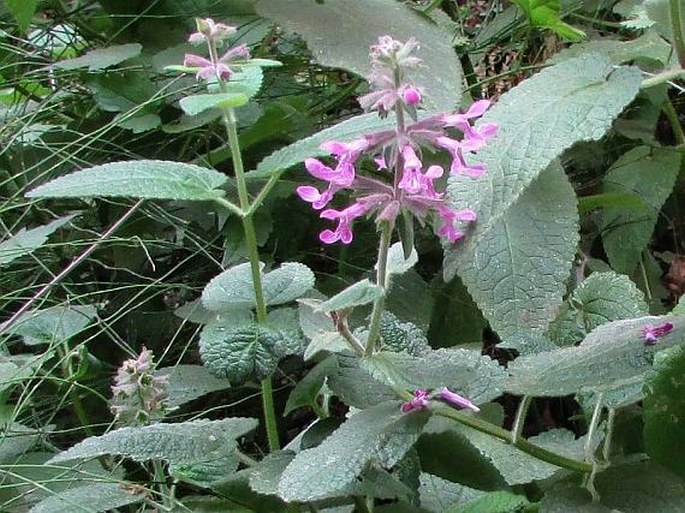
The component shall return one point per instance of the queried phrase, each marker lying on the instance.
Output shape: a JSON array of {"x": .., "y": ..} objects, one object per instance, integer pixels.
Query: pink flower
[
  {"x": 208, "y": 29},
  {"x": 651, "y": 333},
  {"x": 453, "y": 398},
  {"x": 207, "y": 70},
  {"x": 411, "y": 95},
  {"x": 461, "y": 120},
  {"x": 459, "y": 165},
  {"x": 449, "y": 217},
  {"x": 343, "y": 232},
  {"x": 418, "y": 402}
]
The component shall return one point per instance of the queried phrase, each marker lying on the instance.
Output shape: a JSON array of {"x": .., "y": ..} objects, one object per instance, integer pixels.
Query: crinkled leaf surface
[
  {"x": 235, "y": 352},
  {"x": 664, "y": 409},
  {"x": 499, "y": 501},
  {"x": 27, "y": 241},
  {"x": 91, "y": 498},
  {"x": 381, "y": 433},
  {"x": 339, "y": 33},
  {"x": 185, "y": 442},
  {"x": 188, "y": 382},
  {"x": 439, "y": 495},
  {"x": 573, "y": 101},
  {"x": 610, "y": 356},
  {"x": 516, "y": 272},
  {"x": 151, "y": 179},
  {"x": 601, "y": 298},
  {"x": 56, "y": 323},
  {"x": 402, "y": 337},
  {"x": 649, "y": 174},
  {"x": 463, "y": 371},
  {"x": 102, "y": 58},
  {"x": 233, "y": 287},
  {"x": 633, "y": 488}
]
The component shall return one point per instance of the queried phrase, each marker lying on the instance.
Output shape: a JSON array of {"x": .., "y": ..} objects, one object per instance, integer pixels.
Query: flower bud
[{"x": 411, "y": 95}]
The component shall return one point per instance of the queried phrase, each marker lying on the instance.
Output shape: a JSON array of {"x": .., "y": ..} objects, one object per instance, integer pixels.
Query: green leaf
[
  {"x": 612, "y": 355},
  {"x": 439, "y": 495},
  {"x": 402, "y": 337},
  {"x": 585, "y": 94},
  {"x": 102, "y": 58},
  {"x": 265, "y": 476},
  {"x": 664, "y": 411},
  {"x": 409, "y": 298},
  {"x": 308, "y": 388},
  {"x": 235, "y": 352},
  {"x": 528, "y": 343},
  {"x": 632, "y": 488},
  {"x": 22, "y": 11},
  {"x": 151, "y": 179},
  {"x": 91, "y": 498},
  {"x": 186, "y": 442},
  {"x": 361, "y": 293},
  {"x": 356, "y": 387},
  {"x": 516, "y": 271},
  {"x": 463, "y": 371},
  {"x": 185, "y": 383},
  {"x": 206, "y": 473},
  {"x": 54, "y": 324},
  {"x": 339, "y": 34},
  {"x": 648, "y": 174},
  {"x": 198, "y": 103},
  {"x": 494, "y": 502},
  {"x": 455, "y": 318},
  {"x": 601, "y": 298},
  {"x": 382, "y": 433},
  {"x": 26, "y": 241},
  {"x": 545, "y": 14},
  {"x": 310, "y": 146},
  {"x": 233, "y": 287},
  {"x": 397, "y": 263}
]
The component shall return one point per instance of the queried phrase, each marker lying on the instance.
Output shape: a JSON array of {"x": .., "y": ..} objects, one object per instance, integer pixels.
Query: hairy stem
[
  {"x": 520, "y": 419},
  {"x": 506, "y": 436},
  {"x": 381, "y": 278},
  {"x": 677, "y": 25},
  {"x": 674, "y": 121}
]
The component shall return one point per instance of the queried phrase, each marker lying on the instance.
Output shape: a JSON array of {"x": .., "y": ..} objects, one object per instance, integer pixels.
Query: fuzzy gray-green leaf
[
  {"x": 150, "y": 179},
  {"x": 90, "y": 498}
]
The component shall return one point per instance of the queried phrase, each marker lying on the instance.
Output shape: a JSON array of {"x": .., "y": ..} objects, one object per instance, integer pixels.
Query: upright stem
[
  {"x": 381, "y": 278},
  {"x": 252, "y": 251},
  {"x": 677, "y": 25}
]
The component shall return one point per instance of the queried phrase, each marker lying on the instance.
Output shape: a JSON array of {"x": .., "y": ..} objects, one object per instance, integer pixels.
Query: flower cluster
[
  {"x": 651, "y": 333},
  {"x": 215, "y": 67},
  {"x": 398, "y": 155},
  {"x": 422, "y": 399},
  {"x": 138, "y": 394}
]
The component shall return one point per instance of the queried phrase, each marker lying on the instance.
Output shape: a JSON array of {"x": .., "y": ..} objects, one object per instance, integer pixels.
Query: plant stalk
[
  {"x": 381, "y": 278},
  {"x": 677, "y": 25},
  {"x": 506, "y": 436}
]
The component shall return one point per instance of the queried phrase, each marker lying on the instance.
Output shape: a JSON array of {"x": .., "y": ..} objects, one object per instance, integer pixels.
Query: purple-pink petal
[
  {"x": 453, "y": 398},
  {"x": 419, "y": 402}
]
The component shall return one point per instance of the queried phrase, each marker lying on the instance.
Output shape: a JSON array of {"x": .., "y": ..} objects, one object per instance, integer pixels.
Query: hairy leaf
[
  {"x": 102, "y": 58},
  {"x": 91, "y": 498},
  {"x": 151, "y": 179},
  {"x": 188, "y": 382},
  {"x": 361, "y": 293},
  {"x": 382, "y": 433},
  {"x": 27, "y": 241},
  {"x": 185, "y": 442},
  {"x": 494, "y": 502},
  {"x": 56, "y": 323},
  {"x": 601, "y": 298},
  {"x": 439, "y": 495},
  {"x": 649, "y": 174},
  {"x": 233, "y": 288},
  {"x": 339, "y": 34},
  {"x": 402, "y": 337},
  {"x": 198, "y": 103}
]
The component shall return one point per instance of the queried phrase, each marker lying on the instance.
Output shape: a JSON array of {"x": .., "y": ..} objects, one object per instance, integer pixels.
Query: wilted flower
[
  {"x": 457, "y": 400},
  {"x": 422, "y": 398},
  {"x": 418, "y": 402},
  {"x": 651, "y": 333},
  {"x": 138, "y": 394},
  {"x": 411, "y": 187}
]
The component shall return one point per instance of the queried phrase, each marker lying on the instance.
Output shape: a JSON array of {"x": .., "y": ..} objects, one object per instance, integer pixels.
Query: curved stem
[
  {"x": 677, "y": 25},
  {"x": 381, "y": 279},
  {"x": 505, "y": 436}
]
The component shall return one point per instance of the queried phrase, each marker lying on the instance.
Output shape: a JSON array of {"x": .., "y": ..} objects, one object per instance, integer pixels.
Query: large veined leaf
[
  {"x": 151, "y": 179},
  {"x": 235, "y": 352},
  {"x": 664, "y": 428},
  {"x": 233, "y": 287},
  {"x": 187, "y": 382},
  {"x": 439, "y": 495},
  {"x": 91, "y": 498},
  {"x": 601, "y": 298},
  {"x": 102, "y": 58},
  {"x": 632, "y": 488},
  {"x": 185, "y": 442},
  {"x": 573, "y": 101},
  {"x": 27, "y": 241},
  {"x": 516, "y": 272},
  {"x": 339, "y": 33},
  {"x": 381, "y": 433},
  {"x": 611, "y": 356},
  {"x": 56, "y": 323},
  {"x": 649, "y": 174}
]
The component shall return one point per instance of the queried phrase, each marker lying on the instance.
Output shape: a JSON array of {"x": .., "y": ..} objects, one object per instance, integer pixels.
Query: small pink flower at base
[
  {"x": 453, "y": 398},
  {"x": 205, "y": 68},
  {"x": 651, "y": 333},
  {"x": 343, "y": 232},
  {"x": 418, "y": 402},
  {"x": 411, "y": 95}
]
